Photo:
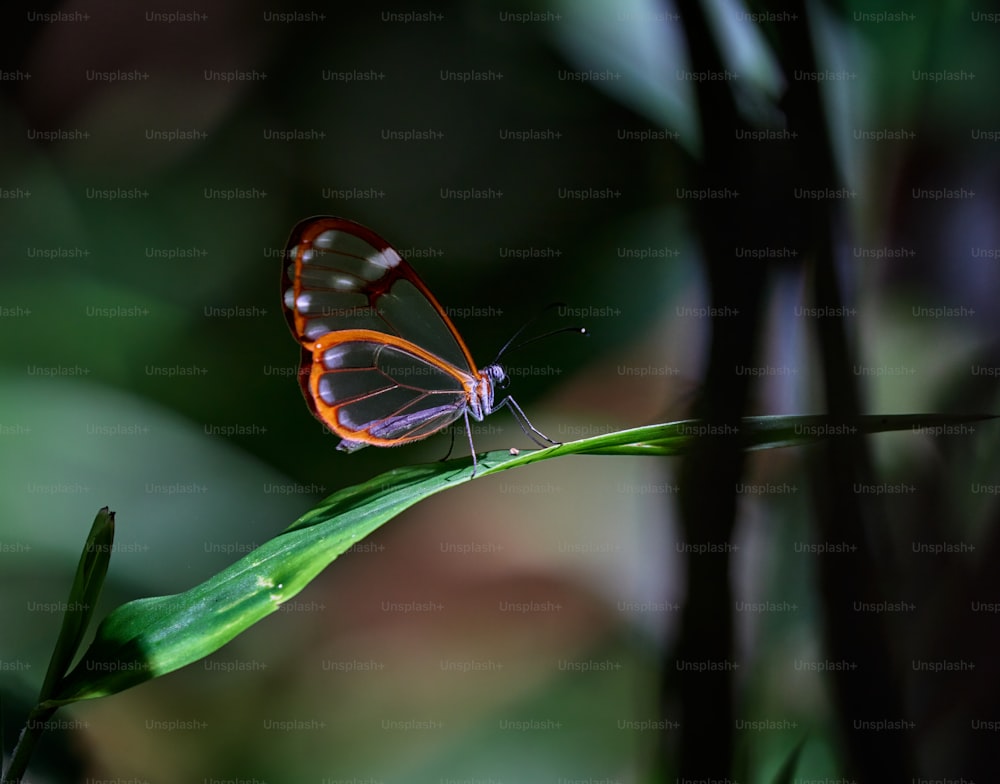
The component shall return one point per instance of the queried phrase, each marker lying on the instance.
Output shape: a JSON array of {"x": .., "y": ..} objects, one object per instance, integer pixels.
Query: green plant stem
[{"x": 33, "y": 729}]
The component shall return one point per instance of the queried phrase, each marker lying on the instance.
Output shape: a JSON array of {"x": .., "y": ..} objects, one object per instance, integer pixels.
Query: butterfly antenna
[
  {"x": 578, "y": 330},
  {"x": 508, "y": 347}
]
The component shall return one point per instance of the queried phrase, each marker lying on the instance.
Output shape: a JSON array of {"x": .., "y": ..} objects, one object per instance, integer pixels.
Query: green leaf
[
  {"x": 90, "y": 573},
  {"x": 83, "y": 594},
  {"x": 150, "y": 637}
]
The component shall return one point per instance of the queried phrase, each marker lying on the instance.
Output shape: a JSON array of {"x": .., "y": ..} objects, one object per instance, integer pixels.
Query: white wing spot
[
  {"x": 326, "y": 391},
  {"x": 337, "y": 357},
  {"x": 386, "y": 259},
  {"x": 316, "y": 330},
  {"x": 326, "y": 240},
  {"x": 343, "y": 283}
]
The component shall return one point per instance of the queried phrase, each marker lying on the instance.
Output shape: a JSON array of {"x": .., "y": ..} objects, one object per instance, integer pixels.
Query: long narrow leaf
[
  {"x": 150, "y": 637},
  {"x": 82, "y": 600}
]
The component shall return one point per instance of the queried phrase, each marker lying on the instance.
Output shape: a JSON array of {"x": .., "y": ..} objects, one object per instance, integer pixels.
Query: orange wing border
[
  {"x": 304, "y": 234},
  {"x": 327, "y": 412}
]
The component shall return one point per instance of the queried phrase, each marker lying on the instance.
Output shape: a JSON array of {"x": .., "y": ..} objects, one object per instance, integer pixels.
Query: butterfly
[{"x": 382, "y": 363}]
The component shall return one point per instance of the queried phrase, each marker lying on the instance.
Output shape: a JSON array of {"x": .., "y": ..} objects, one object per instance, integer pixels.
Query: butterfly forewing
[{"x": 340, "y": 275}]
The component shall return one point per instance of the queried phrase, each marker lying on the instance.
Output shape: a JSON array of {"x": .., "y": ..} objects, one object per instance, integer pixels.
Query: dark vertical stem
[
  {"x": 873, "y": 690},
  {"x": 735, "y": 216}
]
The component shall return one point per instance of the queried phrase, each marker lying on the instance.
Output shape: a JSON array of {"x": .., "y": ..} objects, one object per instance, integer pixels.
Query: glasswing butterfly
[{"x": 382, "y": 363}]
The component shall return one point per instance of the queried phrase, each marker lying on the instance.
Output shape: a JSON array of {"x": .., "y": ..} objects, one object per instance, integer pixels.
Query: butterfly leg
[
  {"x": 526, "y": 427},
  {"x": 472, "y": 447},
  {"x": 452, "y": 447}
]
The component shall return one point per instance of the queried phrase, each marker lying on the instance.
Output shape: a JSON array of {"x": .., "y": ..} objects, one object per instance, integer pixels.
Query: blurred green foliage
[{"x": 127, "y": 378}]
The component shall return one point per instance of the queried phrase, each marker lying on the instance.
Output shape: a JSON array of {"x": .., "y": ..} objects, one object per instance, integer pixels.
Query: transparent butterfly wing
[
  {"x": 382, "y": 364},
  {"x": 374, "y": 389},
  {"x": 341, "y": 275}
]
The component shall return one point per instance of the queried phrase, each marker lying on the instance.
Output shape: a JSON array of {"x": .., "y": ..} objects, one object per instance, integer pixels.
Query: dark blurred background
[{"x": 153, "y": 161}]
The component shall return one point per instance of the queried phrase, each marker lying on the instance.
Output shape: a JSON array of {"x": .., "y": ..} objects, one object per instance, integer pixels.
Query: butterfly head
[
  {"x": 497, "y": 375},
  {"x": 481, "y": 399}
]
